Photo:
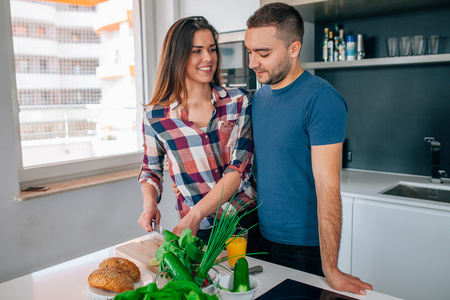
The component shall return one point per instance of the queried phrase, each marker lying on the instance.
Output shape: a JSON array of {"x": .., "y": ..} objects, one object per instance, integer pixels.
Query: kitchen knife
[
  {"x": 156, "y": 227},
  {"x": 254, "y": 270}
]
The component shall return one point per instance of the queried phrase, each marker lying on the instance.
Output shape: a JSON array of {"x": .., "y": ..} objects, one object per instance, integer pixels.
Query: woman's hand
[
  {"x": 191, "y": 220},
  {"x": 150, "y": 210},
  {"x": 145, "y": 220},
  {"x": 176, "y": 190}
]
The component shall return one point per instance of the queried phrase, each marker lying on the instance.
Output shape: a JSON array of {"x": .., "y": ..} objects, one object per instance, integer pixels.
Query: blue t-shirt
[{"x": 286, "y": 123}]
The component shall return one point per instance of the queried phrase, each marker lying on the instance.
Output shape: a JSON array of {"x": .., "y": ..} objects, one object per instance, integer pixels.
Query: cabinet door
[
  {"x": 225, "y": 16},
  {"x": 403, "y": 251},
  {"x": 345, "y": 249}
]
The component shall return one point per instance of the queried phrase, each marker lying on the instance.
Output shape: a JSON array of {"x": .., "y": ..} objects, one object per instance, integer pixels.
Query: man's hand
[
  {"x": 347, "y": 283},
  {"x": 145, "y": 220}
]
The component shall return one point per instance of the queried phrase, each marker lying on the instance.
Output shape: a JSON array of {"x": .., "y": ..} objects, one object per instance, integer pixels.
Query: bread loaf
[
  {"x": 111, "y": 279},
  {"x": 124, "y": 265}
]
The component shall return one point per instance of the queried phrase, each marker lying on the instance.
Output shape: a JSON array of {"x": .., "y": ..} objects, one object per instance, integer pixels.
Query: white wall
[{"x": 225, "y": 16}]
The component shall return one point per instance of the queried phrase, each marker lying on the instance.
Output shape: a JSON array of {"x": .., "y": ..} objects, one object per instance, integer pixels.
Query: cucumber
[
  {"x": 241, "y": 281},
  {"x": 175, "y": 268}
]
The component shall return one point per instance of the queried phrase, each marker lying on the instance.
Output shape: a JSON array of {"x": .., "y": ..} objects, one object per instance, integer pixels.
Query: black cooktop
[{"x": 291, "y": 289}]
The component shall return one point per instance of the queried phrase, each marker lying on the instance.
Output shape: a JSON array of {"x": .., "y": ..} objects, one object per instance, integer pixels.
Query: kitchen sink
[{"x": 420, "y": 191}]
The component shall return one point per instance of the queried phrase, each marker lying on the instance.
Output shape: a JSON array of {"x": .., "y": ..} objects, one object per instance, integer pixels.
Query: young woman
[{"x": 203, "y": 129}]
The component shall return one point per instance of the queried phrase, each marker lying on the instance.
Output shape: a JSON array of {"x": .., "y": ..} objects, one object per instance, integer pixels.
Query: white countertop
[
  {"x": 69, "y": 280},
  {"x": 369, "y": 184}
]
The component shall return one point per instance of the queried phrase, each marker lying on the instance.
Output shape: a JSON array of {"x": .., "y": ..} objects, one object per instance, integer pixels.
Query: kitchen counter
[
  {"x": 69, "y": 280},
  {"x": 369, "y": 184}
]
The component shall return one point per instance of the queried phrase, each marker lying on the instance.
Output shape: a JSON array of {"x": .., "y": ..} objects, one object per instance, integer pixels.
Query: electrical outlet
[{"x": 349, "y": 156}]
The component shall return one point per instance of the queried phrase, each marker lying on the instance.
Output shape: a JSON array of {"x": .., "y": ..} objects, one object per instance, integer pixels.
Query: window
[
  {"x": 20, "y": 30},
  {"x": 43, "y": 66},
  {"x": 75, "y": 37},
  {"x": 77, "y": 106},
  {"x": 23, "y": 65},
  {"x": 41, "y": 31},
  {"x": 76, "y": 67}
]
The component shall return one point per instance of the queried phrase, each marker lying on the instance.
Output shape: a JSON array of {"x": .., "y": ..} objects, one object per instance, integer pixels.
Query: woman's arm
[
  {"x": 151, "y": 175},
  {"x": 241, "y": 156},
  {"x": 150, "y": 207},
  {"x": 234, "y": 176},
  {"x": 222, "y": 191}
]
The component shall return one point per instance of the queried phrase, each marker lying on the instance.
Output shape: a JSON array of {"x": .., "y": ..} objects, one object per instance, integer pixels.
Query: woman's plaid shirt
[{"x": 197, "y": 159}]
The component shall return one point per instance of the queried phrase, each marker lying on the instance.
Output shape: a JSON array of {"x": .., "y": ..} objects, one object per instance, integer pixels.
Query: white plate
[{"x": 104, "y": 294}]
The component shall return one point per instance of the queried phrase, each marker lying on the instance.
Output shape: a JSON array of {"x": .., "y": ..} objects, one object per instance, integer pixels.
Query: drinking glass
[
  {"x": 237, "y": 246},
  {"x": 433, "y": 44},
  {"x": 418, "y": 45},
  {"x": 405, "y": 46},
  {"x": 392, "y": 47}
]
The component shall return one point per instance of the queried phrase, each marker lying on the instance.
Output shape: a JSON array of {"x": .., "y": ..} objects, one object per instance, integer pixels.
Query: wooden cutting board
[{"x": 142, "y": 252}]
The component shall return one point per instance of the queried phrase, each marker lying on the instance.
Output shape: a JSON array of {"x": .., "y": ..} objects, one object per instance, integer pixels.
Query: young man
[{"x": 299, "y": 125}]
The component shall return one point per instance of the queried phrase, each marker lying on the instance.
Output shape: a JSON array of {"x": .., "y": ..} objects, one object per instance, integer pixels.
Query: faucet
[{"x": 436, "y": 173}]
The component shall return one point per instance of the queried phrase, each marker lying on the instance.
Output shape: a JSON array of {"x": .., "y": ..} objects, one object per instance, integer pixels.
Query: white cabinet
[
  {"x": 402, "y": 250},
  {"x": 225, "y": 16},
  {"x": 345, "y": 249}
]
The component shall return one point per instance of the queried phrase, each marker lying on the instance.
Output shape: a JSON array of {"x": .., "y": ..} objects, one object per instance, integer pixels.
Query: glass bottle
[
  {"x": 330, "y": 46},
  {"x": 342, "y": 46},
  {"x": 325, "y": 45}
]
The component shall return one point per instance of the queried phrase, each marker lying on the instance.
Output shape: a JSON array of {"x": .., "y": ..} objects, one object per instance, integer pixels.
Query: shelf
[{"x": 379, "y": 62}]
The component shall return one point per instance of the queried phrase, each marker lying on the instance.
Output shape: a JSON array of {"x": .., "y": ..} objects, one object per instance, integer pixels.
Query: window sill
[{"x": 80, "y": 183}]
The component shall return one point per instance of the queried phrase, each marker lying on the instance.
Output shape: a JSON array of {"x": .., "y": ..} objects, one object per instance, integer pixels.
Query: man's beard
[{"x": 279, "y": 73}]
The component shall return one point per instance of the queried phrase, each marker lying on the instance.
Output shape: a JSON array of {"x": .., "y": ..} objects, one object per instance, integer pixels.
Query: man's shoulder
[
  {"x": 314, "y": 86},
  {"x": 263, "y": 91},
  {"x": 313, "y": 81}
]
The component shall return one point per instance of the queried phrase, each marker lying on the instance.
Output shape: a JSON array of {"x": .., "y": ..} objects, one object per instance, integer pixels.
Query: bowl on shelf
[
  {"x": 161, "y": 280},
  {"x": 226, "y": 285}
]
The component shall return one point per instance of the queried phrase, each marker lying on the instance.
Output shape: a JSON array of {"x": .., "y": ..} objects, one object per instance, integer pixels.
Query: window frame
[{"x": 98, "y": 165}]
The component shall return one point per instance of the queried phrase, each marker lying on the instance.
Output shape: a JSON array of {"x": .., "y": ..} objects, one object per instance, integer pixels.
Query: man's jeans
[{"x": 303, "y": 258}]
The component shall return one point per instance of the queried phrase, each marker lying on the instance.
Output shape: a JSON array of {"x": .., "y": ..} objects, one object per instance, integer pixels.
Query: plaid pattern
[{"x": 197, "y": 159}]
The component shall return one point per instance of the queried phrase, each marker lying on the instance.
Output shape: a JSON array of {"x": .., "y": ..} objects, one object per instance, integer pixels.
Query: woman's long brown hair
[{"x": 177, "y": 47}]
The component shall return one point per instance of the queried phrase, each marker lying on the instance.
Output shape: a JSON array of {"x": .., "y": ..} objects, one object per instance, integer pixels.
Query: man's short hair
[{"x": 284, "y": 17}]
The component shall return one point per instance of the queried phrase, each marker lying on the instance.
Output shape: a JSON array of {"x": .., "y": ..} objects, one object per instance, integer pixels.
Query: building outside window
[
  {"x": 41, "y": 31},
  {"x": 20, "y": 30},
  {"x": 76, "y": 103},
  {"x": 42, "y": 66},
  {"x": 23, "y": 65}
]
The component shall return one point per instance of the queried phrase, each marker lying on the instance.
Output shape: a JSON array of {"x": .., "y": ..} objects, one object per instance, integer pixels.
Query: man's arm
[{"x": 326, "y": 165}]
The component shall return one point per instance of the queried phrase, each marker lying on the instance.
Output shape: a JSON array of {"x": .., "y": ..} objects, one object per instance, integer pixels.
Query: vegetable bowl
[
  {"x": 209, "y": 288},
  {"x": 226, "y": 287}
]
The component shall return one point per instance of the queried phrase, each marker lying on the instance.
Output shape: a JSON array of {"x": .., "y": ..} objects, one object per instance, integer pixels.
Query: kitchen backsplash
[{"x": 391, "y": 109}]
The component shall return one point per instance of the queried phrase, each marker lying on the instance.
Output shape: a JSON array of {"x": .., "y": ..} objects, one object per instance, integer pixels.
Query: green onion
[{"x": 222, "y": 230}]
